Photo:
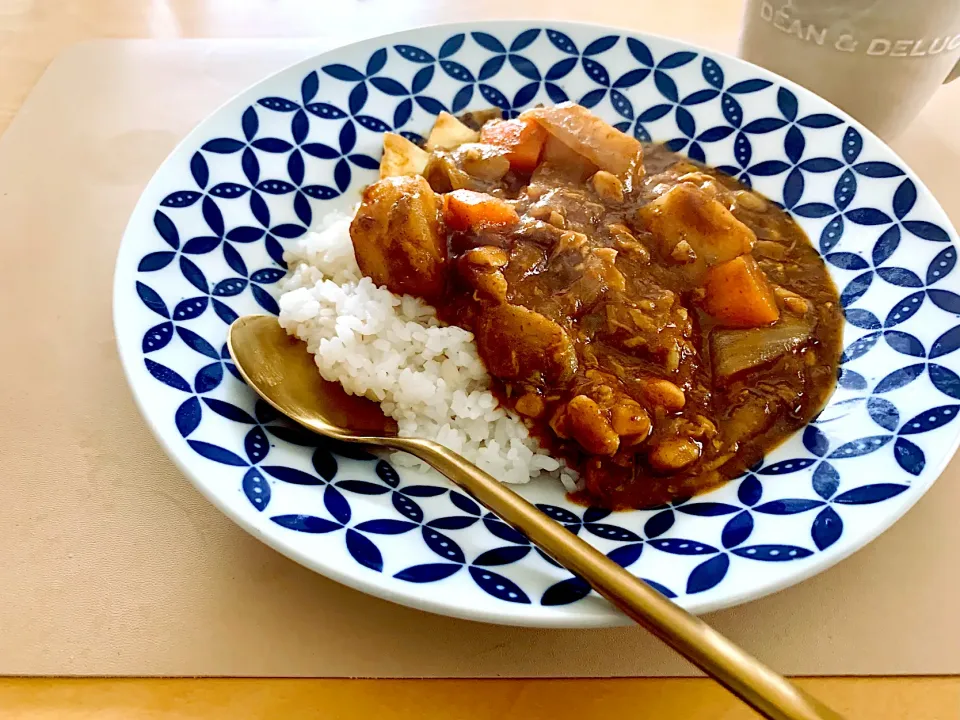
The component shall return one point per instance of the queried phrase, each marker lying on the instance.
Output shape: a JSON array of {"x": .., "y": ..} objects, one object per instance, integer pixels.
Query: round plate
[{"x": 205, "y": 245}]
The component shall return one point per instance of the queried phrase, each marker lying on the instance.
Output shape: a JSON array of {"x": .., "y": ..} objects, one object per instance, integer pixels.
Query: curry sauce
[{"x": 658, "y": 325}]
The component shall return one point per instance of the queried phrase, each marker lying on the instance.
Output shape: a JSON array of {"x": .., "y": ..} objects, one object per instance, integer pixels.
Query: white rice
[{"x": 393, "y": 350}]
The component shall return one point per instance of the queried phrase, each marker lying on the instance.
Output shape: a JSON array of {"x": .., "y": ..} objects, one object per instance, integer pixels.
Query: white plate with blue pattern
[{"x": 205, "y": 245}]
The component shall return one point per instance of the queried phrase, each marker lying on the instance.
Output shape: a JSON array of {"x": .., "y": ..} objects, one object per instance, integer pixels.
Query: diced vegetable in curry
[{"x": 658, "y": 325}]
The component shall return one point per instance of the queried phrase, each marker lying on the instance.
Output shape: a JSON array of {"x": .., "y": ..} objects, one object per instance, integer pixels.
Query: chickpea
[
  {"x": 535, "y": 192},
  {"x": 631, "y": 420},
  {"x": 531, "y": 405},
  {"x": 674, "y": 454},
  {"x": 486, "y": 256},
  {"x": 665, "y": 394},
  {"x": 796, "y": 305},
  {"x": 608, "y": 186},
  {"x": 590, "y": 427}
]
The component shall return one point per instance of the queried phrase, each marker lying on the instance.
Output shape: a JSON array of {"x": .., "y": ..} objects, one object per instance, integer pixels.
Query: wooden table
[{"x": 32, "y": 32}]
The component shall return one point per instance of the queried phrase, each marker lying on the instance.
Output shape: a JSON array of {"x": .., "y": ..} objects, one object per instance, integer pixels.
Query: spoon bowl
[{"x": 278, "y": 367}]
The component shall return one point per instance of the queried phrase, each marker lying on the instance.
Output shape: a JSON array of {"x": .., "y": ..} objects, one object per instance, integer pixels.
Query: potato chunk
[
  {"x": 516, "y": 343},
  {"x": 482, "y": 161},
  {"x": 401, "y": 157},
  {"x": 397, "y": 239},
  {"x": 448, "y": 133},
  {"x": 686, "y": 213}
]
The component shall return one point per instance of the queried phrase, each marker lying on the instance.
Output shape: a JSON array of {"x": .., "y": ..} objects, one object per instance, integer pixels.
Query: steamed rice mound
[{"x": 393, "y": 350}]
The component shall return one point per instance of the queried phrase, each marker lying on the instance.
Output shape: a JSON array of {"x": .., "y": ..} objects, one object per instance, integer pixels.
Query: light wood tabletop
[
  {"x": 32, "y": 33},
  {"x": 675, "y": 699}
]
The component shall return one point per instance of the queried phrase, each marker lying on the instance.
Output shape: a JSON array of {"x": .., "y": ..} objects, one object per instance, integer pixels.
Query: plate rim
[{"x": 570, "y": 616}]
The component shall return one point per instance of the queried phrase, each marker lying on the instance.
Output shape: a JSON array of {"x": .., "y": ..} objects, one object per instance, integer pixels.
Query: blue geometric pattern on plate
[{"x": 206, "y": 245}]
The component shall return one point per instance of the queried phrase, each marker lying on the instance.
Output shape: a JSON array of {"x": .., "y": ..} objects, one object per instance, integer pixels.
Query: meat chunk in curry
[{"x": 658, "y": 326}]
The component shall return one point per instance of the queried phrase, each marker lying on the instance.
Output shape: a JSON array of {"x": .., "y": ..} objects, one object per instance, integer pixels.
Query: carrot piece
[
  {"x": 466, "y": 209},
  {"x": 738, "y": 294},
  {"x": 523, "y": 140}
]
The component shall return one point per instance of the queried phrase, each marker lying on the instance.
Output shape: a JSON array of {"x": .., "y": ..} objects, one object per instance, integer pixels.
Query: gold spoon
[{"x": 283, "y": 373}]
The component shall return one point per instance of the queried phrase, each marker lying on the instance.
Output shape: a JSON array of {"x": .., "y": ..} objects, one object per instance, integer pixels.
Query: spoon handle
[{"x": 757, "y": 685}]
